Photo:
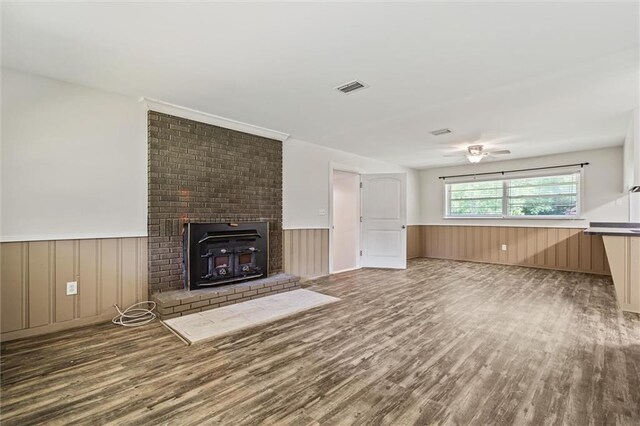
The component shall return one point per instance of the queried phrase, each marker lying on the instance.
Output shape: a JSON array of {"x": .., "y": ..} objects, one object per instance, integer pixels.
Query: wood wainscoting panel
[
  {"x": 414, "y": 242},
  {"x": 89, "y": 270},
  {"x": 65, "y": 271},
  {"x": 306, "y": 252},
  {"x": 108, "y": 279},
  {"x": 14, "y": 286},
  {"x": 35, "y": 276},
  {"x": 40, "y": 279},
  {"x": 552, "y": 248},
  {"x": 624, "y": 255},
  {"x": 129, "y": 265}
]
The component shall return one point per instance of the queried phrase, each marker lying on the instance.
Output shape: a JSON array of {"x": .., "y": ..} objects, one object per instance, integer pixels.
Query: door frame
[{"x": 349, "y": 169}]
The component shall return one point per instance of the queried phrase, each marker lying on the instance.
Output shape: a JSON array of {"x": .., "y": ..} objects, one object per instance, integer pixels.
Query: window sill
[{"x": 514, "y": 217}]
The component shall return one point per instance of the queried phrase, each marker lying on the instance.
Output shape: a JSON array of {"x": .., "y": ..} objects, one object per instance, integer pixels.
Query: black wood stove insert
[{"x": 219, "y": 253}]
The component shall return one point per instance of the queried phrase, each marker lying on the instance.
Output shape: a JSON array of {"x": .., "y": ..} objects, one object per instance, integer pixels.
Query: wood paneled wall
[
  {"x": 306, "y": 252},
  {"x": 415, "y": 242},
  {"x": 34, "y": 277},
  {"x": 624, "y": 256},
  {"x": 553, "y": 248}
]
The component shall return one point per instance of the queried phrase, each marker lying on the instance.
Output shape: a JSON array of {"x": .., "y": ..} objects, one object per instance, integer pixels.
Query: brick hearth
[{"x": 177, "y": 303}]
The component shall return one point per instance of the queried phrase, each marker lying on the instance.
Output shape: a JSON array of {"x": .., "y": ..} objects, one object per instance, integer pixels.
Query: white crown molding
[{"x": 205, "y": 117}]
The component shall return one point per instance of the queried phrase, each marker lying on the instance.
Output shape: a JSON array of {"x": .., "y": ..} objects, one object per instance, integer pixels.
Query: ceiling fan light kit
[
  {"x": 475, "y": 153},
  {"x": 475, "y": 158}
]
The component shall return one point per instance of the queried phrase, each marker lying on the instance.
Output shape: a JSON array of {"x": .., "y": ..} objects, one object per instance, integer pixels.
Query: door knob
[{"x": 403, "y": 226}]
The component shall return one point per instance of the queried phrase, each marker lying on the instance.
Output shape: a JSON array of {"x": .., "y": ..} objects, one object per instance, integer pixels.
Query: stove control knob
[
  {"x": 252, "y": 249},
  {"x": 223, "y": 251},
  {"x": 245, "y": 268},
  {"x": 222, "y": 271}
]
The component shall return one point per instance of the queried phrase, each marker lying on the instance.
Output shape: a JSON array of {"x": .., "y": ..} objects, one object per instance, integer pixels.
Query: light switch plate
[
  {"x": 72, "y": 288},
  {"x": 322, "y": 212},
  {"x": 504, "y": 247}
]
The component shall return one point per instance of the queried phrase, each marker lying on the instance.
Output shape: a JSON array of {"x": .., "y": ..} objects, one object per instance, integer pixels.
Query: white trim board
[
  {"x": 502, "y": 225},
  {"x": 28, "y": 238},
  {"x": 216, "y": 120},
  {"x": 298, "y": 228}
]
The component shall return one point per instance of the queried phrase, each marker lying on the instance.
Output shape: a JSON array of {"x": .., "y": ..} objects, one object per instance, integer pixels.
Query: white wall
[
  {"x": 630, "y": 142},
  {"x": 632, "y": 164},
  {"x": 73, "y": 165},
  {"x": 306, "y": 182},
  {"x": 74, "y": 161},
  {"x": 604, "y": 199}
]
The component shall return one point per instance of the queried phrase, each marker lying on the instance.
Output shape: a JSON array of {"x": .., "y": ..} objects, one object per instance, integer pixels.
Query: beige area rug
[{"x": 207, "y": 325}]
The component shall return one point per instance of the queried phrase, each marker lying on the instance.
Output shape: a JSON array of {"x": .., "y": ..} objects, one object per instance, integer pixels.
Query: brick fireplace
[{"x": 200, "y": 173}]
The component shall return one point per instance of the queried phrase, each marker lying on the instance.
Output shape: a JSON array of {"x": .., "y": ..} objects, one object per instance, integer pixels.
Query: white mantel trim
[{"x": 205, "y": 117}]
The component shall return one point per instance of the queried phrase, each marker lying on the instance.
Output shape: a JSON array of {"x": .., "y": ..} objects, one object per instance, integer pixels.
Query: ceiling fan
[{"x": 475, "y": 153}]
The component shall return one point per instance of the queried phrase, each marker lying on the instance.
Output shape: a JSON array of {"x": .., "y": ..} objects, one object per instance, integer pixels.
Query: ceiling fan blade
[{"x": 499, "y": 152}]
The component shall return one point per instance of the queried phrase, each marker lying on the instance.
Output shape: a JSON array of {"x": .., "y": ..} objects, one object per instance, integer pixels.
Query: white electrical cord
[{"x": 134, "y": 316}]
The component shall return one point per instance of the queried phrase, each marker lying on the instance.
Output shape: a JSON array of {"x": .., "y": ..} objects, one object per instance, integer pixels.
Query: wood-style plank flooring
[{"x": 443, "y": 342}]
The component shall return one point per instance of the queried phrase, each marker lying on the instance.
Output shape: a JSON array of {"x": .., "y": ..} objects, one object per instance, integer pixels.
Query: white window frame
[{"x": 505, "y": 199}]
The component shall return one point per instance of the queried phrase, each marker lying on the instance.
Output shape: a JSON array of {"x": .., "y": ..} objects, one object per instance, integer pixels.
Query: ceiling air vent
[
  {"x": 351, "y": 86},
  {"x": 440, "y": 132}
]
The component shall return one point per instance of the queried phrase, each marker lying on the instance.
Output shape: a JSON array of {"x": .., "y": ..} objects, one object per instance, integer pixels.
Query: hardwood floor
[{"x": 443, "y": 342}]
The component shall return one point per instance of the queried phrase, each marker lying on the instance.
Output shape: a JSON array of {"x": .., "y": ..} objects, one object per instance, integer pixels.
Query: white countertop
[{"x": 622, "y": 232}]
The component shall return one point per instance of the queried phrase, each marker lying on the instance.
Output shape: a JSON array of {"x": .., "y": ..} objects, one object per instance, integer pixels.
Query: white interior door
[{"x": 384, "y": 219}]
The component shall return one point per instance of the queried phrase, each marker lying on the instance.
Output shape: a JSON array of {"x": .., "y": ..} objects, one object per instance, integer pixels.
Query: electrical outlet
[
  {"x": 72, "y": 288},
  {"x": 504, "y": 247},
  {"x": 322, "y": 212}
]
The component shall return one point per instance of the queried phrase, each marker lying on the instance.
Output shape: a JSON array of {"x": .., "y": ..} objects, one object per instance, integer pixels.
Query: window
[
  {"x": 556, "y": 196},
  {"x": 475, "y": 198}
]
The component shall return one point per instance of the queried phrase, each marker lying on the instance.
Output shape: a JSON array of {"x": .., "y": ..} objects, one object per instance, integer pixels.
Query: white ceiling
[{"x": 535, "y": 78}]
